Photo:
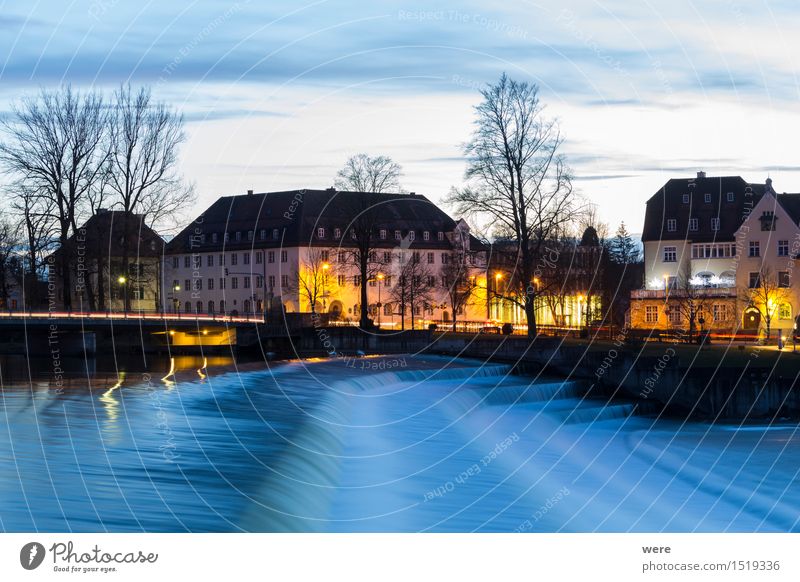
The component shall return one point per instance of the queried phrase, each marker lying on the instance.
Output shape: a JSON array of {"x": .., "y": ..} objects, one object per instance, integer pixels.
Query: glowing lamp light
[
  {"x": 325, "y": 266},
  {"x": 380, "y": 276},
  {"x": 121, "y": 280}
]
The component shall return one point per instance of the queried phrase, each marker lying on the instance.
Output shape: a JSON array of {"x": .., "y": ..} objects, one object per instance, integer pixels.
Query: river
[{"x": 394, "y": 443}]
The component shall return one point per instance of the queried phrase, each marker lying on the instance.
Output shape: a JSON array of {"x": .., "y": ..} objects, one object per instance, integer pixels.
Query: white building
[{"x": 275, "y": 252}]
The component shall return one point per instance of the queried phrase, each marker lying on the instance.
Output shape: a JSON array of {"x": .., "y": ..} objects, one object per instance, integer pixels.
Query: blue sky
[{"x": 278, "y": 94}]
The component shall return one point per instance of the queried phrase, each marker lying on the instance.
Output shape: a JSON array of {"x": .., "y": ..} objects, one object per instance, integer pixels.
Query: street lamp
[
  {"x": 325, "y": 267},
  {"x": 380, "y": 279},
  {"x": 122, "y": 280}
]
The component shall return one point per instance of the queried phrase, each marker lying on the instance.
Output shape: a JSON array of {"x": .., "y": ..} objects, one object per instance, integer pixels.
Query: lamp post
[
  {"x": 380, "y": 279},
  {"x": 122, "y": 280},
  {"x": 325, "y": 267},
  {"x": 175, "y": 298},
  {"x": 497, "y": 278}
]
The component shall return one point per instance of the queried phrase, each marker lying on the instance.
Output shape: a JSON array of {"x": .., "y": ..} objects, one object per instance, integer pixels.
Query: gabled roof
[
  {"x": 297, "y": 214},
  {"x": 102, "y": 233},
  {"x": 668, "y": 203}
]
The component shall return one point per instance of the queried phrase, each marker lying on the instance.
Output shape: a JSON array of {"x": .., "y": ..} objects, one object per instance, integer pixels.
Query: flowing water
[{"x": 376, "y": 444}]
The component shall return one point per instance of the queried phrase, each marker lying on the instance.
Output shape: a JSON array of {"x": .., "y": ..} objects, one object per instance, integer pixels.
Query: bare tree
[
  {"x": 9, "y": 260},
  {"x": 518, "y": 179},
  {"x": 690, "y": 299},
  {"x": 767, "y": 294},
  {"x": 459, "y": 284},
  {"x": 142, "y": 171},
  {"x": 372, "y": 178},
  {"x": 55, "y": 147},
  {"x": 414, "y": 289},
  {"x": 363, "y": 173},
  {"x": 38, "y": 231},
  {"x": 312, "y": 278}
]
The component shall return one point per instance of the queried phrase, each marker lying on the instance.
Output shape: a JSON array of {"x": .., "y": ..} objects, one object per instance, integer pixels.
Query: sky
[{"x": 277, "y": 94}]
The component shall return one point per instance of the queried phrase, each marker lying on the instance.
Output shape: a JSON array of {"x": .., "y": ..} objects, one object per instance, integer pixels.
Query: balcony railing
[{"x": 700, "y": 291}]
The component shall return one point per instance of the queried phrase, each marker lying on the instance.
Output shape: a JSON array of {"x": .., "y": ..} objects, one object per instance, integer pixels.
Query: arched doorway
[
  {"x": 336, "y": 309},
  {"x": 751, "y": 319}
]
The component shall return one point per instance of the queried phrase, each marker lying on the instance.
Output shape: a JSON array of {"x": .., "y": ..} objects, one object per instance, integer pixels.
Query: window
[
  {"x": 342, "y": 257},
  {"x": 238, "y": 235},
  {"x": 271, "y": 281},
  {"x": 197, "y": 261},
  {"x": 675, "y": 315},
  {"x": 784, "y": 311},
  {"x": 262, "y": 234},
  {"x": 398, "y": 235},
  {"x": 275, "y": 234},
  {"x": 285, "y": 281},
  {"x": 187, "y": 262},
  {"x": 415, "y": 257},
  {"x": 707, "y": 198},
  {"x": 383, "y": 234},
  {"x": 672, "y": 225},
  {"x": 341, "y": 280},
  {"x": 284, "y": 256},
  {"x": 651, "y": 314},
  {"x": 357, "y": 280},
  {"x": 373, "y": 282},
  {"x": 214, "y": 237},
  {"x": 271, "y": 256},
  {"x": 753, "y": 280},
  {"x": 222, "y": 283},
  {"x": 186, "y": 285},
  {"x": 715, "y": 223},
  {"x": 426, "y": 235},
  {"x": 713, "y": 250},
  {"x": 783, "y": 248},
  {"x": 210, "y": 284},
  {"x": 412, "y": 235},
  {"x": 445, "y": 258},
  {"x": 249, "y": 235},
  {"x": 431, "y": 258},
  {"x": 387, "y": 309},
  {"x": 175, "y": 262},
  {"x": 227, "y": 236},
  {"x": 670, "y": 254},
  {"x": 768, "y": 220},
  {"x": 686, "y": 199},
  {"x": 353, "y": 234},
  {"x": 221, "y": 260},
  {"x": 731, "y": 197},
  {"x": 387, "y": 257},
  {"x": 198, "y": 284},
  {"x": 431, "y": 281},
  {"x": 210, "y": 261},
  {"x": 783, "y": 279},
  {"x": 321, "y": 232},
  {"x": 234, "y": 282},
  {"x": 246, "y": 257},
  {"x": 387, "y": 282},
  {"x": 247, "y": 282},
  {"x": 373, "y": 257},
  {"x": 692, "y": 224},
  {"x": 720, "y": 312},
  {"x": 234, "y": 259},
  {"x": 324, "y": 255},
  {"x": 337, "y": 233},
  {"x": 259, "y": 257},
  {"x": 440, "y": 235},
  {"x": 755, "y": 249},
  {"x": 259, "y": 281}
]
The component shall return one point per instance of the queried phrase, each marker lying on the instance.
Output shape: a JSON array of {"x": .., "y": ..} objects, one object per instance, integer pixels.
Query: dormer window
[
  {"x": 275, "y": 233},
  {"x": 731, "y": 197},
  {"x": 337, "y": 233},
  {"x": 249, "y": 235},
  {"x": 768, "y": 220},
  {"x": 672, "y": 225},
  {"x": 214, "y": 237},
  {"x": 238, "y": 236},
  {"x": 686, "y": 199},
  {"x": 412, "y": 235},
  {"x": 383, "y": 234},
  {"x": 398, "y": 235},
  {"x": 707, "y": 198},
  {"x": 440, "y": 235},
  {"x": 321, "y": 232},
  {"x": 692, "y": 224},
  {"x": 426, "y": 235},
  {"x": 715, "y": 224},
  {"x": 263, "y": 234}
]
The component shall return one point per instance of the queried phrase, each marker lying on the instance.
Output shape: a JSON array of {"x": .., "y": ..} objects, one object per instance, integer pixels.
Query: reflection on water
[{"x": 209, "y": 444}]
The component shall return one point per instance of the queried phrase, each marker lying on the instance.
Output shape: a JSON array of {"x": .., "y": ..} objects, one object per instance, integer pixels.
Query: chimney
[
  {"x": 249, "y": 192},
  {"x": 701, "y": 174}
]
